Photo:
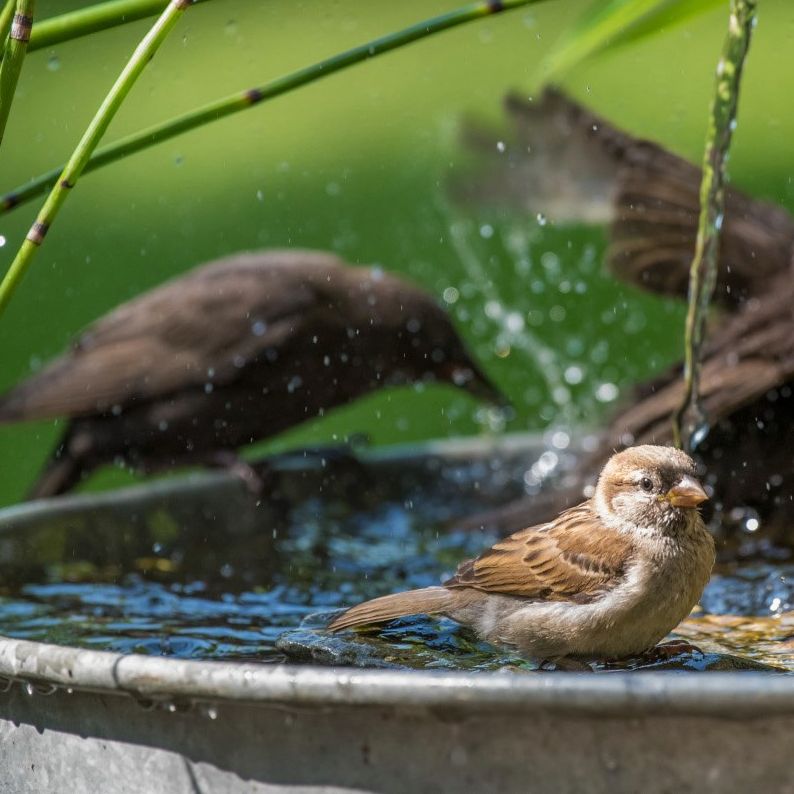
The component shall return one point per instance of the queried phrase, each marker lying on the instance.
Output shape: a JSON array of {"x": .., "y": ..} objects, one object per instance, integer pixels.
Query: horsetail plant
[
  {"x": 6, "y": 15},
  {"x": 92, "y": 19},
  {"x": 13, "y": 55},
  {"x": 690, "y": 425},
  {"x": 242, "y": 100},
  {"x": 74, "y": 167}
]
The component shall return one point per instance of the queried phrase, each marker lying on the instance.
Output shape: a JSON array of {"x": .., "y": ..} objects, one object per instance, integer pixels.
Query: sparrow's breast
[{"x": 657, "y": 591}]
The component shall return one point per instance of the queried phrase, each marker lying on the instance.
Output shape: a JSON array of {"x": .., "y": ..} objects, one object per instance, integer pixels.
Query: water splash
[{"x": 511, "y": 334}]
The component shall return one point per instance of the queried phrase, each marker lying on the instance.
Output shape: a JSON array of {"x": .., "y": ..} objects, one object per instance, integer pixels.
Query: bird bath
[{"x": 169, "y": 637}]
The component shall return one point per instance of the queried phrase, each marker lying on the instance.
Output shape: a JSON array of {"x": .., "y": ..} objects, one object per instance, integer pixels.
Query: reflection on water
[{"x": 223, "y": 577}]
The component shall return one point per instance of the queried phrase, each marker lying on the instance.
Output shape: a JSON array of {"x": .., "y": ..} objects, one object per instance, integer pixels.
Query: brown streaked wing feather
[
  {"x": 652, "y": 236},
  {"x": 749, "y": 354},
  {"x": 570, "y": 164},
  {"x": 197, "y": 322},
  {"x": 561, "y": 561}
]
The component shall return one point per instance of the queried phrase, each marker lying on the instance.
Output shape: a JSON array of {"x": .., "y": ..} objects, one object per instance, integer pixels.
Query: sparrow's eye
[{"x": 646, "y": 484}]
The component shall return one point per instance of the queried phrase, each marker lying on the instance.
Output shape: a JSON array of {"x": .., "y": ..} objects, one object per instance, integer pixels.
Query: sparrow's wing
[
  {"x": 206, "y": 326},
  {"x": 652, "y": 234},
  {"x": 566, "y": 560},
  {"x": 571, "y": 165}
]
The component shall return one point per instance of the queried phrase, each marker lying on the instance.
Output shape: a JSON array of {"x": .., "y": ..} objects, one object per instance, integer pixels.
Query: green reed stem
[
  {"x": 74, "y": 167},
  {"x": 690, "y": 422},
  {"x": 92, "y": 19},
  {"x": 13, "y": 55},
  {"x": 6, "y": 15},
  {"x": 245, "y": 99}
]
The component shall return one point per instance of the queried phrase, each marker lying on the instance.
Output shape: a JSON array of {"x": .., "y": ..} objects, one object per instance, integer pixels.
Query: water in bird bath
[{"x": 210, "y": 574}]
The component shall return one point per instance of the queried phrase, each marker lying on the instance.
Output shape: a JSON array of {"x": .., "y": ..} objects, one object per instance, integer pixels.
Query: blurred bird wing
[
  {"x": 749, "y": 354},
  {"x": 195, "y": 330},
  {"x": 566, "y": 162},
  {"x": 574, "y": 558}
]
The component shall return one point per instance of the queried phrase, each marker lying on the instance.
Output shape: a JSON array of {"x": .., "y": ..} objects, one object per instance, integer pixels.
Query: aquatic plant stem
[
  {"x": 689, "y": 422},
  {"x": 243, "y": 100},
  {"x": 74, "y": 168},
  {"x": 13, "y": 55},
  {"x": 93, "y": 19},
  {"x": 6, "y": 15}
]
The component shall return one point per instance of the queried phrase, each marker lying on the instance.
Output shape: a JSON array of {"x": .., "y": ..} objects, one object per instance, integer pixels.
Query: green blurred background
[{"x": 357, "y": 163}]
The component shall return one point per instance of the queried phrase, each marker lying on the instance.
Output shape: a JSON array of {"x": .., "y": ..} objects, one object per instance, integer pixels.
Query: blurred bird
[
  {"x": 607, "y": 578},
  {"x": 572, "y": 165},
  {"x": 233, "y": 352}
]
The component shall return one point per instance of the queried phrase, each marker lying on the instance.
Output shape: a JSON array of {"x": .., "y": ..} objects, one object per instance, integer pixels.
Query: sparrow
[
  {"x": 607, "y": 578},
  {"x": 563, "y": 160},
  {"x": 235, "y": 351},
  {"x": 575, "y": 166}
]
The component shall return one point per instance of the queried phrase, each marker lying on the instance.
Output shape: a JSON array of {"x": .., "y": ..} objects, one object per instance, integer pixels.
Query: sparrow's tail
[{"x": 429, "y": 600}]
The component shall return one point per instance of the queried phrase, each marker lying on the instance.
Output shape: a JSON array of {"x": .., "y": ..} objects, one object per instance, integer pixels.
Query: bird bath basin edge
[{"x": 95, "y": 720}]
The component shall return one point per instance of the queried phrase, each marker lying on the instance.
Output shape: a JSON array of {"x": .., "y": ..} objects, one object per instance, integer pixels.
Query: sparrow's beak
[
  {"x": 471, "y": 378},
  {"x": 688, "y": 492}
]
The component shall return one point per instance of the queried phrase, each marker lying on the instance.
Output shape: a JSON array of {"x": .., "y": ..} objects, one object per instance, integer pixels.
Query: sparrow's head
[{"x": 649, "y": 487}]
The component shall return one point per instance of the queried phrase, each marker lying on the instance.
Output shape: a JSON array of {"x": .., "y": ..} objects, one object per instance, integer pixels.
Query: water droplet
[
  {"x": 2, "y": 240},
  {"x": 573, "y": 374},
  {"x": 541, "y": 219},
  {"x": 698, "y": 434},
  {"x": 500, "y": 147},
  {"x": 493, "y": 309},
  {"x": 230, "y": 28},
  {"x": 53, "y": 63},
  {"x": 606, "y": 392},
  {"x": 557, "y": 314},
  {"x": 258, "y": 328},
  {"x": 514, "y": 322},
  {"x": 560, "y": 395},
  {"x": 560, "y": 439},
  {"x": 451, "y": 295},
  {"x": 486, "y": 231}
]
